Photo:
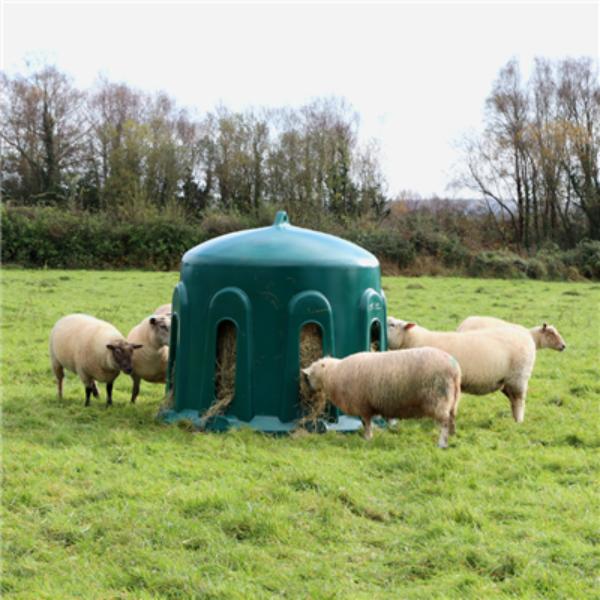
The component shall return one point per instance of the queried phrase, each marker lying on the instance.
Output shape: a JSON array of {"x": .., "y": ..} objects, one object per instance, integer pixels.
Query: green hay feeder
[{"x": 263, "y": 286}]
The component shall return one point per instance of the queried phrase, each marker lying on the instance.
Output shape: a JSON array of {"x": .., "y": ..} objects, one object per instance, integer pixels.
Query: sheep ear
[
  {"x": 110, "y": 346},
  {"x": 544, "y": 326},
  {"x": 152, "y": 320},
  {"x": 409, "y": 326},
  {"x": 306, "y": 371}
]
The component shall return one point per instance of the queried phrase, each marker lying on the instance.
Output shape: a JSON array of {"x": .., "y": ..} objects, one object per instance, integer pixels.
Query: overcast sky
[{"x": 417, "y": 74}]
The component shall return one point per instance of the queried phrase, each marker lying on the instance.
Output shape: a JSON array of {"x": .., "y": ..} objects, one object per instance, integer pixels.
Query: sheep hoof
[{"x": 443, "y": 439}]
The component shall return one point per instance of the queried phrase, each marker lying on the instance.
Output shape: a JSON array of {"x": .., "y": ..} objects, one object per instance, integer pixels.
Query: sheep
[
  {"x": 92, "y": 348},
  {"x": 490, "y": 359},
  {"x": 163, "y": 309},
  {"x": 424, "y": 382},
  {"x": 150, "y": 363},
  {"x": 544, "y": 336}
]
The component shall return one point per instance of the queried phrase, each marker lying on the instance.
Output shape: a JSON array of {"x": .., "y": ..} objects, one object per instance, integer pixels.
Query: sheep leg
[
  {"x": 59, "y": 373},
  {"x": 517, "y": 403},
  {"x": 454, "y": 404},
  {"x": 88, "y": 383},
  {"x": 444, "y": 432},
  {"x": 136, "y": 388},
  {"x": 88, "y": 393},
  {"x": 59, "y": 383},
  {"x": 452, "y": 422},
  {"x": 95, "y": 390},
  {"x": 368, "y": 432},
  {"x": 109, "y": 388}
]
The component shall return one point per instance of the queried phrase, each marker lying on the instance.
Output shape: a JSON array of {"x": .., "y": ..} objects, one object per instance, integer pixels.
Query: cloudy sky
[{"x": 417, "y": 74}]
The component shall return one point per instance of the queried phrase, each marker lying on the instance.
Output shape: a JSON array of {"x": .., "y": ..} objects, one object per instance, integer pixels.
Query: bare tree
[
  {"x": 43, "y": 132},
  {"x": 579, "y": 104},
  {"x": 536, "y": 162}
]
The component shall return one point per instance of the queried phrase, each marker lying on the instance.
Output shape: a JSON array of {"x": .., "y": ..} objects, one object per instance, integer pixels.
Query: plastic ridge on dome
[{"x": 281, "y": 218}]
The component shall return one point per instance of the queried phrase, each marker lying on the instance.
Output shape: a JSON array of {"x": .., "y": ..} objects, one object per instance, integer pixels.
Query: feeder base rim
[{"x": 264, "y": 423}]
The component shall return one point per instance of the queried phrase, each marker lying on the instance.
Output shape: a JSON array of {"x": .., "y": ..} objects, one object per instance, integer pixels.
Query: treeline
[
  {"x": 536, "y": 163},
  {"x": 116, "y": 177},
  {"x": 119, "y": 149}
]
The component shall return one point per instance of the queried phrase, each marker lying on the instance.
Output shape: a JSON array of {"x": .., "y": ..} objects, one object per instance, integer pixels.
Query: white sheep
[
  {"x": 403, "y": 384},
  {"x": 150, "y": 363},
  {"x": 92, "y": 348},
  {"x": 164, "y": 309},
  {"x": 490, "y": 359},
  {"x": 544, "y": 336}
]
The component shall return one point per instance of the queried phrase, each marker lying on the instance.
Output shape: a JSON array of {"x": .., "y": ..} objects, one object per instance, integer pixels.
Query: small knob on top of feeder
[{"x": 281, "y": 218}]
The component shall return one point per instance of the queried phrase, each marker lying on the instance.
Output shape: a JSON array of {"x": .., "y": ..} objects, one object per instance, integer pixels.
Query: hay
[
  {"x": 375, "y": 334},
  {"x": 314, "y": 406},
  {"x": 224, "y": 370},
  {"x": 167, "y": 401}
]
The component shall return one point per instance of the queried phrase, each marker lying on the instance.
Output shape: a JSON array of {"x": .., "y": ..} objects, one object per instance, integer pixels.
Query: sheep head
[
  {"x": 398, "y": 332},
  {"x": 121, "y": 352}
]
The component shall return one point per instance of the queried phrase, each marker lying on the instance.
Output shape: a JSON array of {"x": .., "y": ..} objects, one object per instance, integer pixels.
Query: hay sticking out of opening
[
  {"x": 225, "y": 366},
  {"x": 168, "y": 400},
  {"x": 313, "y": 405}
]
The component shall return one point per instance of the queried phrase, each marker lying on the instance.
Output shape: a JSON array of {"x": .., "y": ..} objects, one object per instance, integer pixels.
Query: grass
[{"x": 105, "y": 504}]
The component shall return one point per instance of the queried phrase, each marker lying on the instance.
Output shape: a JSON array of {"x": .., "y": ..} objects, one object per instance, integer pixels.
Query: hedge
[
  {"x": 52, "y": 238},
  {"x": 49, "y": 237}
]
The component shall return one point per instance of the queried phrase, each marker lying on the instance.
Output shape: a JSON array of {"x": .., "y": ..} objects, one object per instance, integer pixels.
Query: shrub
[
  {"x": 427, "y": 242},
  {"x": 453, "y": 253},
  {"x": 215, "y": 224},
  {"x": 586, "y": 258},
  {"x": 553, "y": 262},
  {"x": 384, "y": 244},
  {"x": 536, "y": 269},
  {"x": 54, "y": 238},
  {"x": 504, "y": 265}
]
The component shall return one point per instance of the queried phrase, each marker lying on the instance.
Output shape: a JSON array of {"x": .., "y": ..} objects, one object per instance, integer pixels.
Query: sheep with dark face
[
  {"x": 92, "y": 348},
  {"x": 544, "y": 336},
  {"x": 401, "y": 384},
  {"x": 150, "y": 363}
]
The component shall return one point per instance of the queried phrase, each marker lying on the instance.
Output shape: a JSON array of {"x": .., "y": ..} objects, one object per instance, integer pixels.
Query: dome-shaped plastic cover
[
  {"x": 281, "y": 244},
  {"x": 268, "y": 284}
]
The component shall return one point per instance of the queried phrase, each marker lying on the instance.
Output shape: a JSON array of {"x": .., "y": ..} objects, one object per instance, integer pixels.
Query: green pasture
[{"x": 108, "y": 503}]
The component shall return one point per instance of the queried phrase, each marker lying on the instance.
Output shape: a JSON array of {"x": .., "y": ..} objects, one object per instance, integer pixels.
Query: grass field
[{"x": 105, "y": 504}]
